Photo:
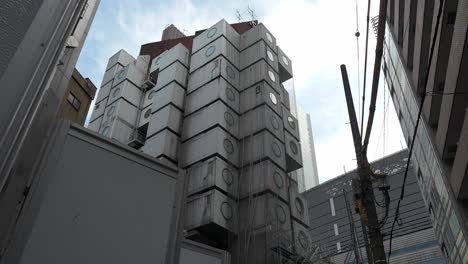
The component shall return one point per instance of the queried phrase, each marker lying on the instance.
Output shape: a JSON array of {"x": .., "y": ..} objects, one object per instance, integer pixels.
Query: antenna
[
  {"x": 238, "y": 15},
  {"x": 183, "y": 30},
  {"x": 253, "y": 17}
]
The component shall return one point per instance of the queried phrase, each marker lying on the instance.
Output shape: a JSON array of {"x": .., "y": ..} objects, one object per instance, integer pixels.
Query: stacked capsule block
[
  {"x": 222, "y": 114},
  {"x": 270, "y": 151},
  {"x": 210, "y": 135},
  {"x": 118, "y": 104},
  {"x": 165, "y": 103}
]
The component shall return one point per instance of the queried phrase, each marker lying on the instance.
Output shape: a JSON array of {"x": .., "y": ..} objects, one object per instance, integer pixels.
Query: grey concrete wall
[
  {"x": 36, "y": 84},
  {"x": 97, "y": 202}
]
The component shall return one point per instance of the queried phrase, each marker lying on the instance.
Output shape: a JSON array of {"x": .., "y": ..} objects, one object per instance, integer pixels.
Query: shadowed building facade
[
  {"x": 333, "y": 218},
  {"x": 440, "y": 155},
  {"x": 40, "y": 44}
]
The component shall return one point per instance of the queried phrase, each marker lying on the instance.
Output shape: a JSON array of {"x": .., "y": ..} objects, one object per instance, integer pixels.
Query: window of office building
[{"x": 74, "y": 101}]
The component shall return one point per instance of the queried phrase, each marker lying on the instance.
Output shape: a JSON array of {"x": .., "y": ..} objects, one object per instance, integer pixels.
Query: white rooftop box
[{"x": 222, "y": 28}]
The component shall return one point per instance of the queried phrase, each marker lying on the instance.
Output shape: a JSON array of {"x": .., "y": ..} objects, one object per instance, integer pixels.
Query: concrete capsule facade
[{"x": 220, "y": 111}]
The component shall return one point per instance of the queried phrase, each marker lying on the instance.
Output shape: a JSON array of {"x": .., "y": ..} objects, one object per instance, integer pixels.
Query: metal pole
[
  {"x": 377, "y": 63},
  {"x": 369, "y": 214},
  {"x": 357, "y": 254}
]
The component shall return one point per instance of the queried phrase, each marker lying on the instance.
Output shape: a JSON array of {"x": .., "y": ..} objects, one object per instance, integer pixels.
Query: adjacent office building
[
  {"x": 308, "y": 175},
  {"x": 214, "y": 104},
  {"x": 335, "y": 226},
  {"x": 440, "y": 155},
  {"x": 78, "y": 97}
]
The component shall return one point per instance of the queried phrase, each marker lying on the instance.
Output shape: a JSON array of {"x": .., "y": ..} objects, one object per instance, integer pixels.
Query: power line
[
  {"x": 384, "y": 126},
  {"x": 434, "y": 93},
  {"x": 365, "y": 66},
  {"x": 357, "y": 34},
  {"x": 402, "y": 194},
  {"x": 384, "y": 121}
]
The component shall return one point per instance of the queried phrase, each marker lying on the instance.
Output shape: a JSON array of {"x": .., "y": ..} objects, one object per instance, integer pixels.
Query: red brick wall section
[
  {"x": 239, "y": 27},
  {"x": 243, "y": 26},
  {"x": 155, "y": 48}
]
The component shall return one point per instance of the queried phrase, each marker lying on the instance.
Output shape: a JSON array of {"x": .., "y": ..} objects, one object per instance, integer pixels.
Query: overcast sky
[{"x": 318, "y": 36}]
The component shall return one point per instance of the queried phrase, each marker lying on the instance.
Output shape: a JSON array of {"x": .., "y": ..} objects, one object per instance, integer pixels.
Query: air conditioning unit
[
  {"x": 150, "y": 81},
  {"x": 137, "y": 140},
  {"x": 147, "y": 84}
]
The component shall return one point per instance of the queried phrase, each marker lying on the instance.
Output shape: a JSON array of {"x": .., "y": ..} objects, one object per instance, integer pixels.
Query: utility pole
[
  {"x": 366, "y": 199},
  {"x": 357, "y": 253}
]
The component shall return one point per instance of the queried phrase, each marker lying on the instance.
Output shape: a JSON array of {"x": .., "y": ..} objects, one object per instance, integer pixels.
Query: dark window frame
[{"x": 74, "y": 101}]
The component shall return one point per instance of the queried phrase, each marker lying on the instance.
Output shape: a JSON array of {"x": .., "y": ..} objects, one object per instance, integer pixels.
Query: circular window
[
  {"x": 280, "y": 214},
  {"x": 157, "y": 61},
  {"x": 273, "y": 98},
  {"x": 228, "y": 146},
  {"x": 269, "y": 37},
  {"x": 270, "y": 55},
  {"x": 276, "y": 149},
  {"x": 303, "y": 239},
  {"x": 229, "y": 118},
  {"x": 230, "y": 72},
  {"x": 116, "y": 92},
  {"x": 285, "y": 60},
  {"x": 105, "y": 131},
  {"x": 211, "y": 32},
  {"x": 210, "y": 51},
  {"x": 274, "y": 123},
  {"x": 111, "y": 110},
  {"x": 278, "y": 180},
  {"x": 151, "y": 95},
  {"x": 272, "y": 76},
  {"x": 299, "y": 205},
  {"x": 226, "y": 210},
  {"x": 121, "y": 74},
  {"x": 227, "y": 176},
  {"x": 230, "y": 94},
  {"x": 293, "y": 147},
  {"x": 147, "y": 113},
  {"x": 291, "y": 122}
]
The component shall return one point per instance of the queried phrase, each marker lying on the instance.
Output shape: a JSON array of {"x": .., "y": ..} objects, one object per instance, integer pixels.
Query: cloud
[{"x": 318, "y": 36}]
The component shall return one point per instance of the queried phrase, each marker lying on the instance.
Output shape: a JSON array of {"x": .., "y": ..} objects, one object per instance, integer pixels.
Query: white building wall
[{"x": 309, "y": 171}]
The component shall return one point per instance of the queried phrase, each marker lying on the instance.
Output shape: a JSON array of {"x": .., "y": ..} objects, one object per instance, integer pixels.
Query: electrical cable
[
  {"x": 387, "y": 207},
  {"x": 384, "y": 126},
  {"x": 357, "y": 34},
  {"x": 402, "y": 194},
  {"x": 384, "y": 121},
  {"x": 432, "y": 93},
  {"x": 365, "y": 66}
]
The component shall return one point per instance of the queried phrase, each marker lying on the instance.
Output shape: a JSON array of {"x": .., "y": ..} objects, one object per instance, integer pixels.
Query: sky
[{"x": 317, "y": 35}]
